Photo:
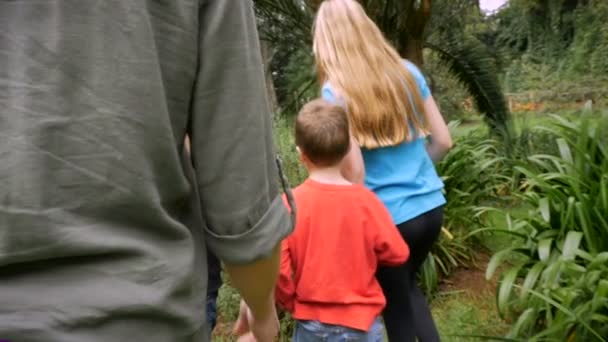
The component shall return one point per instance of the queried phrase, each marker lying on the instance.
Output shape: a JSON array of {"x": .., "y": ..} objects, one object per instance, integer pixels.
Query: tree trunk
[
  {"x": 412, "y": 50},
  {"x": 411, "y": 42},
  {"x": 266, "y": 51}
]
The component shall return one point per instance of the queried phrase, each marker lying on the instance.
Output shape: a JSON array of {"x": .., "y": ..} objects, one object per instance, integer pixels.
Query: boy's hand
[{"x": 256, "y": 329}]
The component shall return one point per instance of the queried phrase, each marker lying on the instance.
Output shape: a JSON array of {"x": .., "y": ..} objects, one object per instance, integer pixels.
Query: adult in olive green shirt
[{"x": 103, "y": 221}]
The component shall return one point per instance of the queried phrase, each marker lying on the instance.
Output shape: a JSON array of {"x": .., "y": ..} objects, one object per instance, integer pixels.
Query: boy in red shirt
[{"x": 343, "y": 231}]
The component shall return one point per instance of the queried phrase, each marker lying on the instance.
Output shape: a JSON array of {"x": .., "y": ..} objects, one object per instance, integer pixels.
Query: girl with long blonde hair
[{"x": 400, "y": 133}]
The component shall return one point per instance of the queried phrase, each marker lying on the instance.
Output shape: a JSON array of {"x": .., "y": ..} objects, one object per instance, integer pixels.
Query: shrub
[
  {"x": 473, "y": 174},
  {"x": 286, "y": 146},
  {"x": 558, "y": 284}
]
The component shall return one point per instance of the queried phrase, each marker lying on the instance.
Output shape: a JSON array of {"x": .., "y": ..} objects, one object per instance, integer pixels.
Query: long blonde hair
[{"x": 382, "y": 97}]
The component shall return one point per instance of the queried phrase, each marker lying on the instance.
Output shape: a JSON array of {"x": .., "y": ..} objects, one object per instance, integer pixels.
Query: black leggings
[{"x": 407, "y": 314}]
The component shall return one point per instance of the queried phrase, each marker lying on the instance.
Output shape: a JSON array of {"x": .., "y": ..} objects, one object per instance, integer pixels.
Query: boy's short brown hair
[{"x": 322, "y": 132}]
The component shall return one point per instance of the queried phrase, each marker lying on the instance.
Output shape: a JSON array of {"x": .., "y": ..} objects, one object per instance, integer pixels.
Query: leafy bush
[
  {"x": 589, "y": 50},
  {"x": 229, "y": 303},
  {"x": 558, "y": 284},
  {"x": 473, "y": 174},
  {"x": 284, "y": 138}
]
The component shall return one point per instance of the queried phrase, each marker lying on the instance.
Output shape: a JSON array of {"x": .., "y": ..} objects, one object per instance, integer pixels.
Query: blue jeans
[{"x": 314, "y": 331}]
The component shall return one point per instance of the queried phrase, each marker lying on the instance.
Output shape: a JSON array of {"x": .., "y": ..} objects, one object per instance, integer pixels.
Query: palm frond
[{"x": 471, "y": 64}]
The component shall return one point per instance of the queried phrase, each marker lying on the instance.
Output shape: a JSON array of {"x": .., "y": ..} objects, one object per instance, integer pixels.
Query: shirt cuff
[{"x": 256, "y": 243}]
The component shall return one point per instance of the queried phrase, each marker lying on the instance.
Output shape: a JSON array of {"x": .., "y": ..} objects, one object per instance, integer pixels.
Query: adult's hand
[{"x": 263, "y": 328}]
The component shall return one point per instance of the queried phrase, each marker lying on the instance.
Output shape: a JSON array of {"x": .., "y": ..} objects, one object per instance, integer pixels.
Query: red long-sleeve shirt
[{"x": 328, "y": 264}]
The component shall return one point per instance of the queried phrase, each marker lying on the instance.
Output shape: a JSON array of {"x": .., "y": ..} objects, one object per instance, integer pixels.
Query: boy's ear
[{"x": 302, "y": 156}]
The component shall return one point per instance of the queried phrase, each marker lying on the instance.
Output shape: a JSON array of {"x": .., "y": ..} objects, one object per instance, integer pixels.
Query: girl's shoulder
[
  {"x": 329, "y": 94},
  {"x": 419, "y": 77}
]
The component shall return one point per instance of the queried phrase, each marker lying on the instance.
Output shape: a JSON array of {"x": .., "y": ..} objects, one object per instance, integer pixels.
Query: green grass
[
  {"x": 521, "y": 120},
  {"x": 461, "y": 313}
]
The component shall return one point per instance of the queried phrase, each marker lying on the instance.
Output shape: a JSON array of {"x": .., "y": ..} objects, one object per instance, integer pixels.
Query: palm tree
[{"x": 286, "y": 24}]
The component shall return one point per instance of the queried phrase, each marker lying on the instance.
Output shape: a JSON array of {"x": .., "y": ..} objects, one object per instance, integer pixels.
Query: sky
[{"x": 491, "y": 5}]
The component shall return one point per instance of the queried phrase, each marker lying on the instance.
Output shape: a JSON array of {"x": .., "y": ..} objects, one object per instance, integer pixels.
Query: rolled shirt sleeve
[{"x": 232, "y": 143}]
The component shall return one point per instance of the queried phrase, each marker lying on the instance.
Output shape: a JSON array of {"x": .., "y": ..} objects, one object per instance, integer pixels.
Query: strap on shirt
[{"x": 286, "y": 189}]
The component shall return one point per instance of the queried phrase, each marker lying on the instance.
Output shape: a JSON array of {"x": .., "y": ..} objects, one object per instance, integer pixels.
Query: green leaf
[
  {"x": 600, "y": 298},
  {"x": 551, "y": 275},
  {"x": 574, "y": 269},
  {"x": 604, "y": 193},
  {"x": 590, "y": 239},
  {"x": 564, "y": 150},
  {"x": 490, "y": 338},
  {"x": 565, "y": 310},
  {"x": 600, "y": 260},
  {"x": 496, "y": 260},
  {"x": 547, "y": 234},
  {"x": 429, "y": 275},
  {"x": 469, "y": 61},
  {"x": 600, "y": 318},
  {"x": 544, "y": 209},
  {"x": 603, "y": 222},
  {"x": 544, "y": 249},
  {"x": 497, "y": 230},
  {"x": 525, "y": 321},
  {"x": 573, "y": 240},
  {"x": 532, "y": 277},
  {"x": 505, "y": 288}
]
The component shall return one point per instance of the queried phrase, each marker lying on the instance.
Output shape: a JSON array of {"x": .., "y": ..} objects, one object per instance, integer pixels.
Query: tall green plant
[
  {"x": 472, "y": 173},
  {"x": 558, "y": 283}
]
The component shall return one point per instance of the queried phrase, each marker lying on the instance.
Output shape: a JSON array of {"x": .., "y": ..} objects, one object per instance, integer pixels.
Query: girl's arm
[
  {"x": 352, "y": 166},
  {"x": 440, "y": 141}
]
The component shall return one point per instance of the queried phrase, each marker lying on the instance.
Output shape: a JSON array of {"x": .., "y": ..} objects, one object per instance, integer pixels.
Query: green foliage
[
  {"x": 466, "y": 312},
  {"x": 287, "y": 326},
  {"x": 472, "y": 173},
  {"x": 284, "y": 138},
  {"x": 451, "y": 96},
  {"x": 558, "y": 284},
  {"x": 469, "y": 61},
  {"x": 589, "y": 50},
  {"x": 228, "y": 301},
  {"x": 301, "y": 85},
  {"x": 542, "y": 28},
  {"x": 552, "y": 45}
]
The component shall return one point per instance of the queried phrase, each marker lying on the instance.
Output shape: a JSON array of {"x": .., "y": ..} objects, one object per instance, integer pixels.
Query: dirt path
[{"x": 471, "y": 280}]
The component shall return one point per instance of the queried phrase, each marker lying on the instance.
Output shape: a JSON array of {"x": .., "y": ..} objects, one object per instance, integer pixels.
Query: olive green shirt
[{"x": 104, "y": 222}]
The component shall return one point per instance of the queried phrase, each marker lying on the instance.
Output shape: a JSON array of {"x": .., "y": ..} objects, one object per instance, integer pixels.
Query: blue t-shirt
[{"x": 403, "y": 176}]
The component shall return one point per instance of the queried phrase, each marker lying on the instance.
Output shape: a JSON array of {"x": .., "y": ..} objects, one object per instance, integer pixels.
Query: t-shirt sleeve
[
  {"x": 328, "y": 94},
  {"x": 425, "y": 92},
  {"x": 231, "y": 138}
]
